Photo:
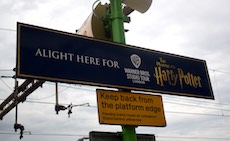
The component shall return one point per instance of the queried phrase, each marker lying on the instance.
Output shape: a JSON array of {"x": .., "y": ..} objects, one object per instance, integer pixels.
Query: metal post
[
  {"x": 16, "y": 103},
  {"x": 56, "y": 93},
  {"x": 117, "y": 19},
  {"x": 129, "y": 133}
]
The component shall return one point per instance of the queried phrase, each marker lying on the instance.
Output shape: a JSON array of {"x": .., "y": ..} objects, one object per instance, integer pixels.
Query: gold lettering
[
  {"x": 165, "y": 76},
  {"x": 158, "y": 76},
  {"x": 165, "y": 73},
  {"x": 188, "y": 79}
]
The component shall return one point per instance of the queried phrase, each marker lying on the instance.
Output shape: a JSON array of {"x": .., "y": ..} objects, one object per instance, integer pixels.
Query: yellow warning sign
[{"x": 126, "y": 108}]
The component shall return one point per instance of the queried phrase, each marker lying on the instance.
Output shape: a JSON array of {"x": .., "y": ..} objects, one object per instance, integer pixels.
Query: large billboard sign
[
  {"x": 53, "y": 55},
  {"x": 126, "y": 108}
]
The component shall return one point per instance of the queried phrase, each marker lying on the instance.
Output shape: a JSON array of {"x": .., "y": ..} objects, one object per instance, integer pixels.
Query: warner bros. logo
[{"x": 136, "y": 60}]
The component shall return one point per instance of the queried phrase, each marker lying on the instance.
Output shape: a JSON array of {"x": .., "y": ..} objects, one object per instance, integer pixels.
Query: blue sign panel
[{"x": 64, "y": 57}]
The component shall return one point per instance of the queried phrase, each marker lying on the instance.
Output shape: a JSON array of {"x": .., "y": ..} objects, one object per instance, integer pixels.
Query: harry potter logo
[{"x": 165, "y": 73}]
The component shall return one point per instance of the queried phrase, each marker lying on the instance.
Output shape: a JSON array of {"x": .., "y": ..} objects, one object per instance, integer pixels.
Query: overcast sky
[{"x": 197, "y": 29}]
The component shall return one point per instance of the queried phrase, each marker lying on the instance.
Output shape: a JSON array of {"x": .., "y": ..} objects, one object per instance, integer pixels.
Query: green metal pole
[
  {"x": 118, "y": 33},
  {"x": 129, "y": 133},
  {"x": 117, "y": 20}
]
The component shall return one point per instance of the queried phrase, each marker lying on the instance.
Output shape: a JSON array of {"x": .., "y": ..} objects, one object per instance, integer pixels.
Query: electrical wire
[
  {"x": 6, "y": 84},
  {"x": 6, "y": 70},
  {"x": 44, "y": 134},
  {"x": 170, "y": 112},
  {"x": 7, "y": 29},
  {"x": 43, "y": 98},
  {"x": 72, "y": 87},
  {"x": 197, "y": 114},
  {"x": 166, "y": 101},
  {"x": 156, "y": 136},
  {"x": 199, "y": 106},
  {"x": 218, "y": 92},
  {"x": 50, "y": 95},
  {"x": 220, "y": 71},
  {"x": 193, "y": 101},
  {"x": 192, "y": 138}
]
